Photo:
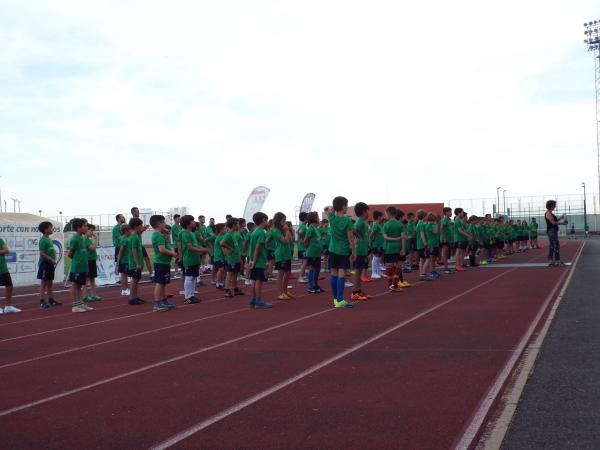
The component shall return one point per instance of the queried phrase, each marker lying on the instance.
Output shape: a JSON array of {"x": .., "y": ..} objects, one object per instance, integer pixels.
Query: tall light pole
[
  {"x": 498, "y": 204},
  {"x": 504, "y": 202},
  {"x": 14, "y": 204},
  {"x": 585, "y": 224},
  {"x": 592, "y": 40}
]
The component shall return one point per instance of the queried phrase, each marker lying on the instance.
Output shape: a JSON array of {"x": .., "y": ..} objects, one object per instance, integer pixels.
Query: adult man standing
[{"x": 135, "y": 213}]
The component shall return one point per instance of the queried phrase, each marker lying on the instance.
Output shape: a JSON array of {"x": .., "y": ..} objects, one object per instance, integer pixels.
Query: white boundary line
[
  {"x": 470, "y": 432},
  {"x": 257, "y": 397}
]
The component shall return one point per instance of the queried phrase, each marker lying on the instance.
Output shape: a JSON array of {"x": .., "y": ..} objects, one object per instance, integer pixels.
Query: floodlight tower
[{"x": 592, "y": 40}]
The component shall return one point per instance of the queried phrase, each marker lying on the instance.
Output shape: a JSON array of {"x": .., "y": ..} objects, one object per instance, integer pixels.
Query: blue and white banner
[{"x": 307, "y": 203}]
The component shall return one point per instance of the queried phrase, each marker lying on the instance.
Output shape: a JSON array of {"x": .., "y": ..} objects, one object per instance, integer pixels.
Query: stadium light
[
  {"x": 504, "y": 201},
  {"x": 585, "y": 222},
  {"x": 498, "y": 198},
  {"x": 592, "y": 42}
]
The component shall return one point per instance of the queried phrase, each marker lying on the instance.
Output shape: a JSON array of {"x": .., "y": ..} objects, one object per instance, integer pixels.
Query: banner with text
[
  {"x": 255, "y": 201},
  {"x": 307, "y": 203},
  {"x": 106, "y": 266}
]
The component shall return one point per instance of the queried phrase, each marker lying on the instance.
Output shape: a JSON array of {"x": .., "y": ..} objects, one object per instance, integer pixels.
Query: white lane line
[
  {"x": 122, "y": 338},
  {"x": 470, "y": 432},
  {"x": 267, "y": 392}
]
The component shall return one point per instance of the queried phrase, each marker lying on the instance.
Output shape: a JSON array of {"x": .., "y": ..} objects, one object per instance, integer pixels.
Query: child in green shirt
[
  {"x": 342, "y": 250},
  {"x": 313, "y": 250},
  {"x": 377, "y": 243},
  {"x": 231, "y": 246},
  {"x": 282, "y": 236},
  {"x": 121, "y": 265},
  {"x": 191, "y": 251},
  {"x": 46, "y": 265},
  {"x": 135, "y": 255},
  {"x": 218, "y": 257},
  {"x": 361, "y": 263},
  {"x": 92, "y": 243},
  {"x": 78, "y": 252},
  {"x": 163, "y": 253},
  {"x": 258, "y": 260}
]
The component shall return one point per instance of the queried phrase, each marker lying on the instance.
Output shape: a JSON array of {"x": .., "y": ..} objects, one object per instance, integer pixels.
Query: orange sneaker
[
  {"x": 365, "y": 279},
  {"x": 290, "y": 295},
  {"x": 460, "y": 269},
  {"x": 284, "y": 297},
  {"x": 364, "y": 294},
  {"x": 395, "y": 289},
  {"x": 358, "y": 297}
]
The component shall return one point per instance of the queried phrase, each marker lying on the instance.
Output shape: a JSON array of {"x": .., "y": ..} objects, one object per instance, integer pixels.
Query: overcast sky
[{"x": 108, "y": 104}]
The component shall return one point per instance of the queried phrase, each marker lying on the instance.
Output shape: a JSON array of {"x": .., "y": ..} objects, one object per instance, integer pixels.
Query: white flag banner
[
  {"x": 307, "y": 203},
  {"x": 106, "y": 266},
  {"x": 255, "y": 201}
]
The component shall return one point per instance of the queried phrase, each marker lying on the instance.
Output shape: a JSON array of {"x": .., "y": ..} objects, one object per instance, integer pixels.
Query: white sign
[
  {"x": 255, "y": 201},
  {"x": 106, "y": 266}
]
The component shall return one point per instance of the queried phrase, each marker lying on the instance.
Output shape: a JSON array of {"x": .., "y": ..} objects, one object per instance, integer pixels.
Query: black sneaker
[
  {"x": 53, "y": 302},
  {"x": 44, "y": 305},
  {"x": 313, "y": 291},
  {"x": 191, "y": 301},
  {"x": 136, "y": 301},
  {"x": 319, "y": 290}
]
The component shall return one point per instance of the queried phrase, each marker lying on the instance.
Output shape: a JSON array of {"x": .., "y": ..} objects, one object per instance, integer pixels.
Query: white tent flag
[
  {"x": 255, "y": 201},
  {"x": 307, "y": 203}
]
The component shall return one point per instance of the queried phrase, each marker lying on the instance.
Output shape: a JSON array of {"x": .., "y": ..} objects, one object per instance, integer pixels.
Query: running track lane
[{"x": 378, "y": 314}]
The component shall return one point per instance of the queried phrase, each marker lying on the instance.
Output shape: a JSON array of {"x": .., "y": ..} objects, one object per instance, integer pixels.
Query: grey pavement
[{"x": 560, "y": 405}]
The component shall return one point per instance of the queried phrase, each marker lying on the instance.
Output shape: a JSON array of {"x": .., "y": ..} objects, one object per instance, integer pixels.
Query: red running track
[{"x": 403, "y": 370}]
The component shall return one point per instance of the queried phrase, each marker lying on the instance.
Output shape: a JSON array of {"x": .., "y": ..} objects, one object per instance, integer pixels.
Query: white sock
[
  {"x": 188, "y": 287},
  {"x": 375, "y": 269}
]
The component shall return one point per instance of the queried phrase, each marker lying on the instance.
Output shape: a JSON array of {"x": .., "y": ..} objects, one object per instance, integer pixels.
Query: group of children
[{"x": 392, "y": 243}]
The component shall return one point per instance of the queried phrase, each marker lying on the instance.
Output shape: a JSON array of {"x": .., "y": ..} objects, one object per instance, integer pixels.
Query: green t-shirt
[
  {"x": 459, "y": 225},
  {"x": 258, "y": 237},
  {"x": 283, "y": 250},
  {"x": 325, "y": 233},
  {"x": 362, "y": 244},
  {"x": 134, "y": 244},
  {"x": 176, "y": 230},
  {"x": 533, "y": 228},
  {"x": 377, "y": 231},
  {"x": 47, "y": 246},
  {"x": 190, "y": 258},
  {"x": 393, "y": 228},
  {"x": 159, "y": 239},
  {"x": 471, "y": 230},
  {"x": 124, "y": 244},
  {"x": 411, "y": 229},
  {"x": 232, "y": 240},
  {"x": 445, "y": 231},
  {"x": 78, "y": 244},
  {"x": 433, "y": 235},
  {"x": 116, "y": 235},
  {"x": 340, "y": 227},
  {"x": 3, "y": 266},
  {"x": 314, "y": 247},
  {"x": 301, "y": 233},
  {"x": 421, "y": 228},
  {"x": 218, "y": 251},
  {"x": 91, "y": 254},
  {"x": 271, "y": 244}
]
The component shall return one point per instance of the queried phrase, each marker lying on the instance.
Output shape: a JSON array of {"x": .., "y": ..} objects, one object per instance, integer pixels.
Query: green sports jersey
[
  {"x": 92, "y": 255},
  {"x": 469, "y": 228},
  {"x": 190, "y": 258},
  {"x": 258, "y": 238},
  {"x": 159, "y": 239},
  {"x": 314, "y": 246},
  {"x": 411, "y": 229},
  {"x": 377, "y": 231},
  {"x": 3, "y": 266},
  {"x": 232, "y": 241},
  {"x": 325, "y": 233},
  {"x": 78, "y": 245},
  {"x": 420, "y": 229},
  {"x": 393, "y": 228},
  {"x": 270, "y": 244},
  {"x": 283, "y": 250},
  {"x": 445, "y": 230},
  {"x": 533, "y": 229},
  {"x": 459, "y": 226},
  {"x": 124, "y": 246},
  {"x": 301, "y": 233},
  {"x": 134, "y": 245},
  {"x": 176, "y": 230},
  {"x": 116, "y": 235},
  {"x": 218, "y": 251},
  {"x": 340, "y": 227},
  {"x": 433, "y": 235},
  {"x": 362, "y": 243},
  {"x": 239, "y": 240},
  {"x": 47, "y": 246}
]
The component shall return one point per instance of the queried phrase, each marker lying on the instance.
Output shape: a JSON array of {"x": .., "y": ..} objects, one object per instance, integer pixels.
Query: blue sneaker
[
  {"x": 168, "y": 304},
  {"x": 259, "y": 304},
  {"x": 252, "y": 303},
  {"x": 159, "y": 307}
]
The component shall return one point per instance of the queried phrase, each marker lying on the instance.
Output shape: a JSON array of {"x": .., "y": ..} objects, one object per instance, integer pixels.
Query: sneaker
[
  {"x": 284, "y": 297},
  {"x": 365, "y": 279},
  {"x": 375, "y": 277},
  {"x": 53, "y": 302},
  {"x": 358, "y": 297},
  {"x": 125, "y": 292},
  {"x": 407, "y": 270},
  {"x": 290, "y": 295},
  {"x": 11, "y": 309},
  {"x": 448, "y": 271},
  {"x": 200, "y": 283},
  {"x": 238, "y": 292},
  {"x": 87, "y": 308},
  {"x": 259, "y": 304},
  {"x": 426, "y": 278},
  {"x": 320, "y": 290},
  {"x": 159, "y": 307},
  {"x": 272, "y": 278},
  {"x": 93, "y": 298},
  {"x": 484, "y": 262},
  {"x": 349, "y": 284},
  {"x": 1, "y": 310},
  {"x": 313, "y": 291},
  {"x": 404, "y": 284},
  {"x": 248, "y": 283},
  {"x": 460, "y": 269},
  {"x": 168, "y": 304},
  {"x": 302, "y": 280},
  {"x": 44, "y": 305},
  {"x": 136, "y": 301},
  {"x": 435, "y": 274},
  {"x": 394, "y": 288},
  {"x": 342, "y": 304},
  {"x": 192, "y": 300},
  {"x": 78, "y": 309}
]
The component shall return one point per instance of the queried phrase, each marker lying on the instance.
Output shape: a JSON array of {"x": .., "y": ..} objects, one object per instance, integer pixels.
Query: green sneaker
[{"x": 342, "y": 304}]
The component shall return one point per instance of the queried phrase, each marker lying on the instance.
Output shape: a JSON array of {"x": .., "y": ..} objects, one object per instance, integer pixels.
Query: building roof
[{"x": 23, "y": 217}]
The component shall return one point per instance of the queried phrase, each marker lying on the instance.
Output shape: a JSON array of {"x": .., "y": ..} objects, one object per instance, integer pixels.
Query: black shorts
[
  {"x": 424, "y": 253},
  {"x": 270, "y": 255},
  {"x": 78, "y": 278},
  {"x": 499, "y": 244},
  {"x": 180, "y": 264},
  {"x": 301, "y": 254},
  {"x": 339, "y": 261},
  {"x": 462, "y": 245},
  {"x": 92, "y": 269},
  {"x": 5, "y": 279},
  {"x": 123, "y": 268},
  {"x": 391, "y": 258},
  {"x": 314, "y": 263},
  {"x": 218, "y": 264},
  {"x": 117, "y": 253},
  {"x": 284, "y": 265},
  {"x": 46, "y": 271},
  {"x": 412, "y": 242},
  {"x": 446, "y": 244},
  {"x": 258, "y": 275},
  {"x": 435, "y": 251},
  {"x": 192, "y": 271},
  {"x": 135, "y": 274},
  {"x": 234, "y": 268},
  {"x": 361, "y": 262},
  {"x": 162, "y": 273},
  {"x": 144, "y": 252},
  {"x": 377, "y": 251}
]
